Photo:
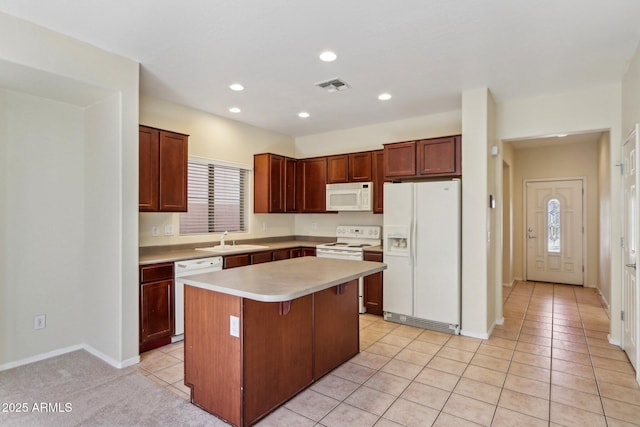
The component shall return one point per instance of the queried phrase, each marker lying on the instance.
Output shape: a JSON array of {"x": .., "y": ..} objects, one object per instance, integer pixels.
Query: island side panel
[
  {"x": 336, "y": 327},
  {"x": 278, "y": 353},
  {"x": 212, "y": 356}
]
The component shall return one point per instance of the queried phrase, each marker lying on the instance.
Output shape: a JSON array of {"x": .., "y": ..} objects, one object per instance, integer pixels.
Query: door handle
[{"x": 631, "y": 265}]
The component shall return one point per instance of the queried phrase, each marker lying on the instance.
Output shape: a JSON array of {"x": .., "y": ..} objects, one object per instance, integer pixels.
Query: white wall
[
  {"x": 588, "y": 110},
  {"x": 44, "y": 242},
  {"x": 604, "y": 212},
  {"x": 478, "y": 222},
  {"x": 58, "y": 252},
  {"x": 217, "y": 138}
]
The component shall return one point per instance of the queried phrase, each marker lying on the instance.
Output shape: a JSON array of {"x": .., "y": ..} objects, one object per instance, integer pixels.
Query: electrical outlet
[
  {"x": 168, "y": 230},
  {"x": 314, "y": 225},
  {"x": 264, "y": 226},
  {"x": 40, "y": 321},
  {"x": 155, "y": 231},
  {"x": 234, "y": 326}
]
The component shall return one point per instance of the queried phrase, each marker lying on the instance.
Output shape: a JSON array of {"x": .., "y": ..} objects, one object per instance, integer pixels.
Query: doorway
[{"x": 554, "y": 230}]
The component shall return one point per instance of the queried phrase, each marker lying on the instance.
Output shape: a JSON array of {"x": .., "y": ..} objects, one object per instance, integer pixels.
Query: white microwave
[{"x": 352, "y": 196}]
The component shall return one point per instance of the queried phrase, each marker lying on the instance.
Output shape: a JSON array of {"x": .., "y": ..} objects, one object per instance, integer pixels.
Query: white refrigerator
[{"x": 421, "y": 243}]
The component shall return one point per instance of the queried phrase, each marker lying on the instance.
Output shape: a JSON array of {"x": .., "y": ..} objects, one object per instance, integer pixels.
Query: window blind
[{"x": 216, "y": 197}]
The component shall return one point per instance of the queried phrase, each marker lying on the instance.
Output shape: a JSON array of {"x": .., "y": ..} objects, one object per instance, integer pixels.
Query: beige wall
[
  {"x": 217, "y": 138},
  {"x": 561, "y": 161},
  {"x": 70, "y": 141},
  {"x": 507, "y": 213}
]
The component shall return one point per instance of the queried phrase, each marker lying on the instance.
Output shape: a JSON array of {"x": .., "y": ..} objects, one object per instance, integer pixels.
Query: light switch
[{"x": 234, "y": 326}]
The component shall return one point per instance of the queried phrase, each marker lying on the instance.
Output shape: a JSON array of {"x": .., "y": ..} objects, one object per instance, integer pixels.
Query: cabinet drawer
[
  {"x": 373, "y": 256},
  {"x": 260, "y": 257},
  {"x": 151, "y": 273}
]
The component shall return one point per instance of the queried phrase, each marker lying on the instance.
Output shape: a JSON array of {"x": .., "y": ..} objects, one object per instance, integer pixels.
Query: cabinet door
[
  {"x": 148, "y": 169},
  {"x": 312, "y": 185},
  {"x": 437, "y": 156},
  {"x": 338, "y": 169},
  {"x": 260, "y": 257},
  {"x": 336, "y": 329},
  {"x": 373, "y": 286},
  {"x": 276, "y": 183},
  {"x": 290, "y": 185},
  {"x": 281, "y": 254},
  {"x": 240, "y": 260},
  {"x": 173, "y": 172},
  {"x": 156, "y": 311},
  {"x": 400, "y": 159},
  {"x": 378, "y": 181},
  {"x": 360, "y": 167}
]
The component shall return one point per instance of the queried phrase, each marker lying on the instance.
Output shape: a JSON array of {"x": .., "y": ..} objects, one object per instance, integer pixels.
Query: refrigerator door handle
[{"x": 410, "y": 243}]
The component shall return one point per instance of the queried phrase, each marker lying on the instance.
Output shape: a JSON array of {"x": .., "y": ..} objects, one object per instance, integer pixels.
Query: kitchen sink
[{"x": 232, "y": 248}]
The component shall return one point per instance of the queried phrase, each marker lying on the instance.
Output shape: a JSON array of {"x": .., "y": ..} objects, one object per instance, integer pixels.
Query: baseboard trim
[
  {"x": 65, "y": 350},
  {"x": 484, "y": 336},
  {"x": 612, "y": 341}
]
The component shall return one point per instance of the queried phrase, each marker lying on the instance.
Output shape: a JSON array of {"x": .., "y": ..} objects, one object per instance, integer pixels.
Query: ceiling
[{"x": 425, "y": 53}]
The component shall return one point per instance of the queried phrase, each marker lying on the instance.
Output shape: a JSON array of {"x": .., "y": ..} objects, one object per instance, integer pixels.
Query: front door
[
  {"x": 554, "y": 231},
  {"x": 630, "y": 243}
]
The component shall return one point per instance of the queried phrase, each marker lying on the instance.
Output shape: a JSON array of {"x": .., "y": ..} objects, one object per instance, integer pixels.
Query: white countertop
[{"x": 284, "y": 280}]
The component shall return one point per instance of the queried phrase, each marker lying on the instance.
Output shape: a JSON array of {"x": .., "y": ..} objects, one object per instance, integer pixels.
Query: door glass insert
[{"x": 553, "y": 225}]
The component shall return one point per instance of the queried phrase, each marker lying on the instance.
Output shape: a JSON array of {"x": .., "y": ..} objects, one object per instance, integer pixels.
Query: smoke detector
[{"x": 333, "y": 85}]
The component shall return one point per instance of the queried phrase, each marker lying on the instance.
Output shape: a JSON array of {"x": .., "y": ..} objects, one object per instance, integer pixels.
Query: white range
[{"x": 350, "y": 244}]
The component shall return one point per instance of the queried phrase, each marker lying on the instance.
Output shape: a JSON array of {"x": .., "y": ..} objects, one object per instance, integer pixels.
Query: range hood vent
[{"x": 333, "y": 85}]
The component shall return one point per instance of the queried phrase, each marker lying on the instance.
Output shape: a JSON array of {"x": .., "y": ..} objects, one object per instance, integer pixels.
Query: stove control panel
[{"x": 358, "y": 232}]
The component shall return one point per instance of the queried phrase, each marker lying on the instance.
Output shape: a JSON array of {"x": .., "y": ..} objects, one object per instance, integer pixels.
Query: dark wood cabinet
[
  {"x": 274, "y": 183},
  {"x": 377, "y": 169},
  {"x": 239, "y": 260},
  {"x": 335, "y": 327},
  {"x": 360, "y": 167},
  {"x": 163, "y": 159},
  {"x": 373, "y": 286},
  {"x": 400, "y": 159},
  {"x": 260, "y": 257},
  {"x": 426, "y": 158},
  {"x": 156, "y": 306},
  {"x": 280, "y": 254},
  {"x": 311, "y": 185},
  {"x": 299, "y": 252},
  {"x": 439, "y": 156},
  {"x": 338, "y": 169}
]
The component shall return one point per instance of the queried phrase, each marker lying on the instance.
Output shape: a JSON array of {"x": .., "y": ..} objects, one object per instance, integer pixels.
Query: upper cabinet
[
  {"x": 162, "y": 170},
  {"x": 338, "y": 169},
  {"x": 311, "y": 185},
  {"x": 360, "y": 167},
  {"x": 377, "y": 170},
  {"x": 426, "y": 158},
  {"x": 274, "y": 183},
  {"x": 352, "y": 167}
]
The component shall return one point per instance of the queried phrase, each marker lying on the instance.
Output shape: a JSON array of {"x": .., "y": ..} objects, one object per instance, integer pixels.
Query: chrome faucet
[{"x": 222, "y": 238}]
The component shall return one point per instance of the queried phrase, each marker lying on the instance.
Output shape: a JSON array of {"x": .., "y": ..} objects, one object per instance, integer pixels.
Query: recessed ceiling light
[
  {"x": 384, "y": 96},
  {"x": 234, "y": 110},
  {"x": 236, "y": 86},
  {"x": 303, "y": 114},
  {"x": 328, "y": 56}
]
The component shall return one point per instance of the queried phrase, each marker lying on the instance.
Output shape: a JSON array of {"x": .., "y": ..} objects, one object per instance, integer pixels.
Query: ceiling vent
[{"x": 333, "y": 85}]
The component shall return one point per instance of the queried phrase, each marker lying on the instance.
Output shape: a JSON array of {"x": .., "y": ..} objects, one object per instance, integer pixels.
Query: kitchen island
[{"x": 257, "y": 335}]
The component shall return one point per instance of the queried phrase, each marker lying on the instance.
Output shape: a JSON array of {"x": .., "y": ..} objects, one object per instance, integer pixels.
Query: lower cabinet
[
  {"x": 373, "y": 286},
  {"x": 279, "y": 349},
  {"x": 240, "y": 260},
  {"x": 156, "y": 306},
  {"x": 298, "y": 252}
]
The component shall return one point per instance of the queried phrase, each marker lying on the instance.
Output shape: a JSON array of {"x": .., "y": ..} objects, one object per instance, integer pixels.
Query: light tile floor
[{"x": 549, "y": 364}]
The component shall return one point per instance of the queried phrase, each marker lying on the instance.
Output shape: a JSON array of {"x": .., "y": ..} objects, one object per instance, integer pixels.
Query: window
[
  {"x": 553, "y": 225},
  {"x": 216, "y": 197}
]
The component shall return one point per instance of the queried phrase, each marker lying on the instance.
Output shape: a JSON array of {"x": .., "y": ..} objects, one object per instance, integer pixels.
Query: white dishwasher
[{"x": 187, "y": 268}]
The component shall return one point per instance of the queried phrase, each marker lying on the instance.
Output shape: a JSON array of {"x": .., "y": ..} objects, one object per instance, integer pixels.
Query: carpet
[{"x": 78, "y": 389}]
